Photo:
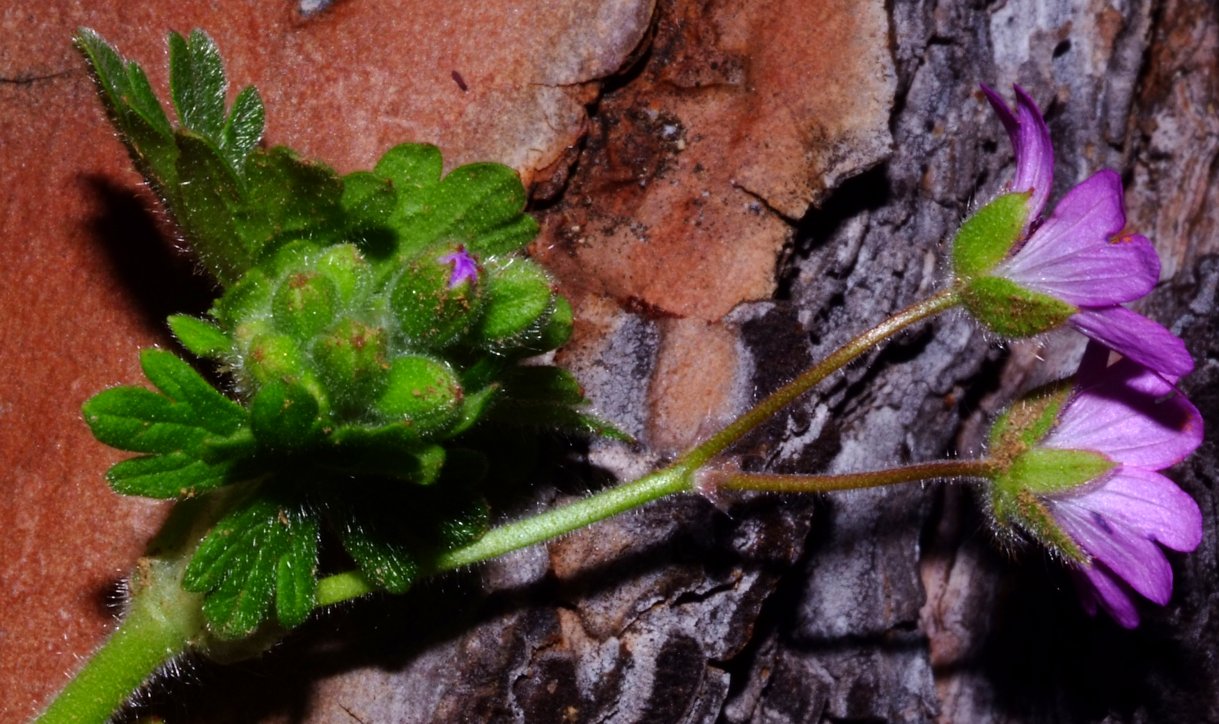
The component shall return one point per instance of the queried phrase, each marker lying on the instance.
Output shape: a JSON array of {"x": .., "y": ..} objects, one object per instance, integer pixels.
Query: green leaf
[
  {"x": 243, "y": 129},
  {"x": 171, "y": 475},
  {"x": 209, "y": 198},
  {"x": 289, "y": 199},
  {"x": 392, "y": 451},
  {"x": 368, "y": 200},
  {"x": 180, "y": 382},
  {"x": 411, "y": 167},
  {"x": 517, "y": 301},
  {"x": 389, "y": 564},
  {"x": 184, "y": 424},
  {"x": 134, "y": 110},
  {"x": 140, "y": 420},
  {"x": 200, "y": 337},
  {"x": 197, "y": 83},
  {"x": 263, "y": 552},
  {"x": 296, "y": 575},
  {"x": 479, "y": 205},
  {"x": 545, "y": 397}
]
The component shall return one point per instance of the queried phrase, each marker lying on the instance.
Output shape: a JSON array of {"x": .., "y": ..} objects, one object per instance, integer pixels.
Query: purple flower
[
  {"x": 1080, "y": 264},
  {"x": 464, "y": 267},
  {"x": 1111, "y": 526}
]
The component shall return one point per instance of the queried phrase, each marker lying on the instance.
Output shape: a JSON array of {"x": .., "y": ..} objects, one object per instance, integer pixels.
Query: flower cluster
[{"x": 1079, "y": 464}]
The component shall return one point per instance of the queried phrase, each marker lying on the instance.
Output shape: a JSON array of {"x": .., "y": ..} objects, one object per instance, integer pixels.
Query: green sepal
[
  {"x": 1012, "y": 311},
  {"x": 1027, "y": 421},
  {"x": 262, "y": 553},
  {"x": 284, "y": 416},
  {"x": 1018, "y": 493},
  {"x": 200, "y": 337},
  {"x": 1046, "y": 471},
  {"x": 986, "y": 237}
]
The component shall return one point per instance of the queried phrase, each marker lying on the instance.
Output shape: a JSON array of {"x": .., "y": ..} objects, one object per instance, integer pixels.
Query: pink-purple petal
[
  {"x": 1136, "y": 337},
  {"x": 1090, "y": 214},
  {"x": 1149, "y": 505},
  {"x": 1129, "y": 420},
  {"x": 1130, "y": 556},
  {"x": 1097, "y": 585},
  {"x": 1033, "y": 150},
  {"x": 1097, "y": 275}
]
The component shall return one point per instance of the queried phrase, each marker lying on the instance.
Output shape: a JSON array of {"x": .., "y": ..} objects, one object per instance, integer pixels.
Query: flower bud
[
  {"x": 421, "y": 391},
  {"x": 351, "y": 359},
  {"x": 346, "y": 269},
  {"x": 436, "y": 299},
  {"x": 284, "y": 416},
  {"x": 304, "y": 304}
]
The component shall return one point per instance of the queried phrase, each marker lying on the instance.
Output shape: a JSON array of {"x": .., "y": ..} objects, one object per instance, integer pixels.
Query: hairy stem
[
  {"x": 676, "y": 478},
  {"x": 808, "y": 379},
  {"x": 159, "y": 625},
  {"x": 714, "y": 481}
]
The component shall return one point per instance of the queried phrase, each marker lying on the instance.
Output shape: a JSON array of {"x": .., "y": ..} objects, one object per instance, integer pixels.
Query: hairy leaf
[{"x": 262, "y": 553}]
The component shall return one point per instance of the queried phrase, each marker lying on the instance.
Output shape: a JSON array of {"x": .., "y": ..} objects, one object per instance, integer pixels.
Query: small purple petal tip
[{"x": 464, "y": 267}]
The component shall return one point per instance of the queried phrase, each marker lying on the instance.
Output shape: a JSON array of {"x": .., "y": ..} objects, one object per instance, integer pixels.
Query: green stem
[
  {"x": 942, "y": 470},
  {"x": 528, "y": 531},
  {"x": 160, "y": 623},
  {"x": 567, "y": 518},
  {"x": 677, "y": 478},
  {"x": 808, "y": 379}
]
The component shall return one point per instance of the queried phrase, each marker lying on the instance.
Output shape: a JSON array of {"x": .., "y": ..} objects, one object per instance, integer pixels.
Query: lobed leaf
[
  {"x": 197, "y": 84},
  {"x": 262, "y": 553},
  {"x": 200, "y": 337},
  {"x": 171, "y": 475},
  {"x": 243, "y": 129}
]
